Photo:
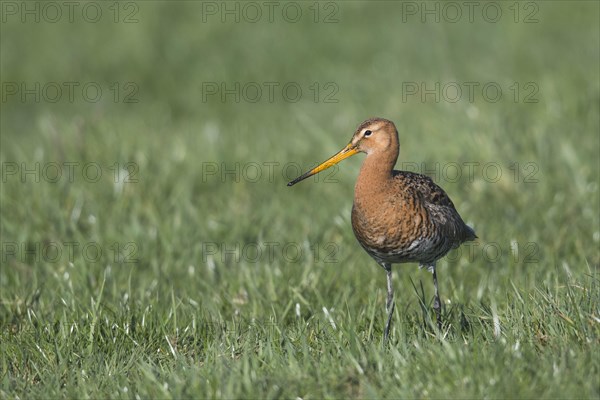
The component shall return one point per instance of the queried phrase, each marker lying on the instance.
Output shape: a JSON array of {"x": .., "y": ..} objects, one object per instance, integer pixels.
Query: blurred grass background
[{"x": 174, "y": 315}]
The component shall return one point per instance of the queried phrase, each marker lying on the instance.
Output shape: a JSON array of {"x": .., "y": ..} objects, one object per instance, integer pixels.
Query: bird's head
[{"x": 373, "y": 136}]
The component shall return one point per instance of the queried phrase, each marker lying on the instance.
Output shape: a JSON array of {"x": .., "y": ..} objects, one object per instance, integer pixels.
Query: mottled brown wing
[
  {"x": 441, "y": 209},
  {"x": 424, "y": 185}
]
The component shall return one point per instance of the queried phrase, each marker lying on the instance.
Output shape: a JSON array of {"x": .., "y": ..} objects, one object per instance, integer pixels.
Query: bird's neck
[{"x": 375, "y": 173}]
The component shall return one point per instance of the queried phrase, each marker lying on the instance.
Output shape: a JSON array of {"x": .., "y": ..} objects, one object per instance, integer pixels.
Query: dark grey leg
[
  {"x": 389, "y": 305},
  {"x": 437, "y": 304}
]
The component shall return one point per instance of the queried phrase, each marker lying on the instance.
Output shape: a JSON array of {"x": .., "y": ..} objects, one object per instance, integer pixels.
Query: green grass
[{"x": 168, "y": 311}]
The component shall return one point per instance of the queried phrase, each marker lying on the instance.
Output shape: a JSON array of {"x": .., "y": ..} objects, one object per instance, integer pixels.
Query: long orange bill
[{"x": 346, "y": 152}]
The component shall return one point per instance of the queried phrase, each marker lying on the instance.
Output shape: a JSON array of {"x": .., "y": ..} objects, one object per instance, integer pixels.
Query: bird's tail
[{"x": 469, "y": 233}]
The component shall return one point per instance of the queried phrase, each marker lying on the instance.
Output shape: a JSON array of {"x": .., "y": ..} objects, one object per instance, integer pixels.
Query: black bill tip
[{"x": 298, "y": 179}]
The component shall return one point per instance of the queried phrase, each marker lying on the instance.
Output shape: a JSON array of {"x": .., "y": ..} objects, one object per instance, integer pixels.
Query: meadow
[{"x": 151, "y": 248}]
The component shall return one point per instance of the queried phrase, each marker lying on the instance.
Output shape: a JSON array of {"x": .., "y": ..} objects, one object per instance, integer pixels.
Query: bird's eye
[{"x": 368, "y": 133}]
